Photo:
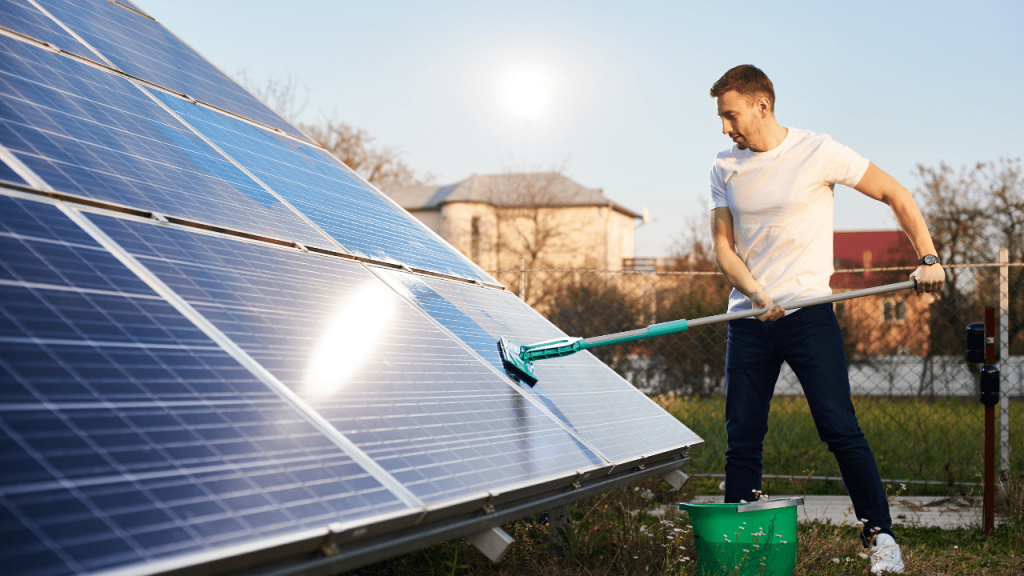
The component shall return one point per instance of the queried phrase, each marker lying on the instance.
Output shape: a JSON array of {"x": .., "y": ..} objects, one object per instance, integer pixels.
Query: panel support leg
[
  {"x": 676, "y": 478},
  {"x": 493, "y": 543},
  {"x": 558, "y": 519}
]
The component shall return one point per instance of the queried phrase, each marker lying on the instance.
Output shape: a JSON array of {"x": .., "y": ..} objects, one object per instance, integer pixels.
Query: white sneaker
[{"x": 885, "y": 556}]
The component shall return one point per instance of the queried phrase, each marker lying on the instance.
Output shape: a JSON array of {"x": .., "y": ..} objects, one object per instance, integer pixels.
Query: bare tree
[
  {"x": 530, "y": 216},
  {"x": 382, "y": 167},
  {"x": 691, "y": 249},
  {"x": 283, "y": 94},
  {"x": 972, "y": 214}
]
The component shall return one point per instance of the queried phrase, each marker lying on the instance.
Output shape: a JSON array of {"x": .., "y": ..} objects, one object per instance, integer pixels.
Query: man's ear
[{"x": 764, "y": 107}]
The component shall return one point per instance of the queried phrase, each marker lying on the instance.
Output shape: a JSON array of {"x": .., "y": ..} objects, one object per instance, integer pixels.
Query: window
[{"x": 894, "y": 311}]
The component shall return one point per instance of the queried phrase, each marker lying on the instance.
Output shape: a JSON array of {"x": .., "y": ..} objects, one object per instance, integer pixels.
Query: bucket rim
[
  {"x": 770, "y": 504},
  {"x": 747, "y": 507}
]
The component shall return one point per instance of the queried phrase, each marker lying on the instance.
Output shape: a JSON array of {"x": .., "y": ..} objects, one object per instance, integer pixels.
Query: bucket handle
[{"x": 769, "y": 504}]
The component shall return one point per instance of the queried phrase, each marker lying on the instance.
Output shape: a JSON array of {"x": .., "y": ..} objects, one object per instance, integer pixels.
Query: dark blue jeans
[{"x": 810, "y": 342}]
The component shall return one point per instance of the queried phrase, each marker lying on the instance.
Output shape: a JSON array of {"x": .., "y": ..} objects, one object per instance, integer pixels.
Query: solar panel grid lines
[
  {"x": 388, "y": 277},
  {"x": 127, "y": 435},
  {"x": 357, "y": 216},
  {"x": 132, "y": 7},
  {"x": 456, "y": 265},
  {"x": 14, "y": 166},
  {"x": 481, "y": 277},
  {"x": 50, "y": 47},
  {"x": 142, "y": 47},
  {"x": 89, "y": 133},
  {"x": 582, "y": 392},
  {"x": 84, "y": 54},
  {"x": 29, "y": 19},
  {"x": 440, "y": 421},
  {"x": 47, "y": 26},
  {"x": 243, "y": 358},
  {"x": 244, "y": 170},
  {"x": 220, "y": 346}
]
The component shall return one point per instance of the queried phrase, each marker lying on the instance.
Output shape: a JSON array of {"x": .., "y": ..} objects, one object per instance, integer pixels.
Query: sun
[{"x": 525, "y": 91}]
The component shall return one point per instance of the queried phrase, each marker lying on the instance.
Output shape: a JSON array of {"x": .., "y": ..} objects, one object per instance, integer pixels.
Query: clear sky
[{"x": 617, "y": 92}]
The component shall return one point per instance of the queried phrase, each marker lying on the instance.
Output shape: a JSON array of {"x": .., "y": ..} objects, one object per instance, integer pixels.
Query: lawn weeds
[{"x": 638, "y": 530}]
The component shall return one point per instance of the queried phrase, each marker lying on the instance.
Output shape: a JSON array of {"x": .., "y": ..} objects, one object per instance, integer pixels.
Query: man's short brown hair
[{"x": 748, "y": 80}]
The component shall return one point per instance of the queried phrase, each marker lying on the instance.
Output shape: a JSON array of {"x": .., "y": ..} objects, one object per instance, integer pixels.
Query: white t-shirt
[{"x": 782, "y": 211}]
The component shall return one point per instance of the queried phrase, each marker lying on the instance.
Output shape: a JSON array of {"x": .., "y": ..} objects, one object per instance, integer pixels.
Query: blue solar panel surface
[
  {"x": 9, "y": 175},
  {"x": 434, "y": 416},
  {"x": 144, "y": 48},
  {"x": 126, "y": 435},
  {"x": 90, "y": 133},
  {"x": 358, "y": 217},
  {"x": 589, "y": 397},
  {"x": 24, "y": 18}
]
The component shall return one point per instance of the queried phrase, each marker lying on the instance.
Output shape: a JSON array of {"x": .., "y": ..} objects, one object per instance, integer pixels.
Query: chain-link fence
[{"x": 915, "y": 394}]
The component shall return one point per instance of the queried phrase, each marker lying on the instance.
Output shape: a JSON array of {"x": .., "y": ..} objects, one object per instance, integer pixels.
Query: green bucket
[{"x": 758, "y": 538}]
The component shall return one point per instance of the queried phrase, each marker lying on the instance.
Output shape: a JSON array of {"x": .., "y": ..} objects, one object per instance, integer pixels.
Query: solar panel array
[{"x": 215, "y": 338}]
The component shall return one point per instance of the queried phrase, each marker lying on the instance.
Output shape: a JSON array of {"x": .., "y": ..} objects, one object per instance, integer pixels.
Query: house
[
  {"x": 887, "y": 324},
  {"x": 543, "y": 219}
]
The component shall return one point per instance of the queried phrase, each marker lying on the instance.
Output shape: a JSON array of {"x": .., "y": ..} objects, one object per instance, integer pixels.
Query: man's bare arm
[
  {"x": 723, "y": 244},
  {"x": 882, "y": 187}
]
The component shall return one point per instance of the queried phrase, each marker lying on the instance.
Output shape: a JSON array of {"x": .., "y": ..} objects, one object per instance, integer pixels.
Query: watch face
[{"x": 929, "y": 260}]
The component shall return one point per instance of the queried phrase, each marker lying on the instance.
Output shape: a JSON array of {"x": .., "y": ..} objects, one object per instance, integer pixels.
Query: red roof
[{"x": 874, "y": 249}]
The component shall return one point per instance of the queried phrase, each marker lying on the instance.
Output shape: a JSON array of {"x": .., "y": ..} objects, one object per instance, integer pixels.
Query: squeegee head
[{"x": 511, "y": 358}]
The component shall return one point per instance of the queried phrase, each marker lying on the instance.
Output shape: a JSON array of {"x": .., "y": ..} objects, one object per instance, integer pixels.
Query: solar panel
[
  {"x": 89, "y": 133},
  {"x": 143, "y": 48},
  {"x": 360, "y": 218},
  {"x": 580, "y": 390},
  {"x": 126, "y": 434},
  {"x": 185, "y": 387},
  {"x": 25, "y": 18},
  {"x": 7, "y": 174},
  {"x": 440, "y": 421}
]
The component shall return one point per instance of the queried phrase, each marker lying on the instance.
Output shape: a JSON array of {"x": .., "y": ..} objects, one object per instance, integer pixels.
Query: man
[{"x": 772, "y": 229}]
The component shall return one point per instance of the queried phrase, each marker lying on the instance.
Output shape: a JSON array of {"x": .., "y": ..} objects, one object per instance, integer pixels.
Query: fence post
[
  {"x": 1004, "y": 355},
  {"x": 522, "y": 279}
]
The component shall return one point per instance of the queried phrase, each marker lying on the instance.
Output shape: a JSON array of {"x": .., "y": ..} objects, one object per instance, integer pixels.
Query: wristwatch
[{"x": 929, "y": 259}]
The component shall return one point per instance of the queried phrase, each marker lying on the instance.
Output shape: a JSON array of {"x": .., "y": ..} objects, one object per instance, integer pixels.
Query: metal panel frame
[
  {"x": 614, "y": 466},
  {"x": 143, "y": 84},
  {"x": 338, "y": 546},
  {"x": 261, "y": 373},
  {"x": 417, "y": 526},
  {"x": 329, "y": 552}
]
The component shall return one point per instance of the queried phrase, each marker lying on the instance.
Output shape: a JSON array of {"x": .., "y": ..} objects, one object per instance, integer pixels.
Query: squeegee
[{"x": 519, "y": 359}]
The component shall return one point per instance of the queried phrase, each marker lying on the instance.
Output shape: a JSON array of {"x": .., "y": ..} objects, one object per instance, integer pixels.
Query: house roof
[
  {"x": 871, "y": 249},
  {"x": 883, "y": 248},
  {"x": 508, "y": 190}
]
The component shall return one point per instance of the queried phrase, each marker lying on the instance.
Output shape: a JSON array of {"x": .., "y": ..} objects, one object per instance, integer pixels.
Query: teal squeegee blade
[{"x": 513, "y": 361}]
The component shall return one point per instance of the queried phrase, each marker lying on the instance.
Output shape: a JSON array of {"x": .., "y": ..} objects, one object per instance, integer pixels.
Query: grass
[
  {"x": 609, "y": 537},
  {"x": 611, "y": 534},
  {"x": 912, "y": 439}
]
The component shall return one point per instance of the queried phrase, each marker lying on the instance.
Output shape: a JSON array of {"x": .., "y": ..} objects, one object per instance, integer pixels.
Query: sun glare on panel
[
  {"x": 353, "y": 332},
  {"x": 525, "y": 91}
]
